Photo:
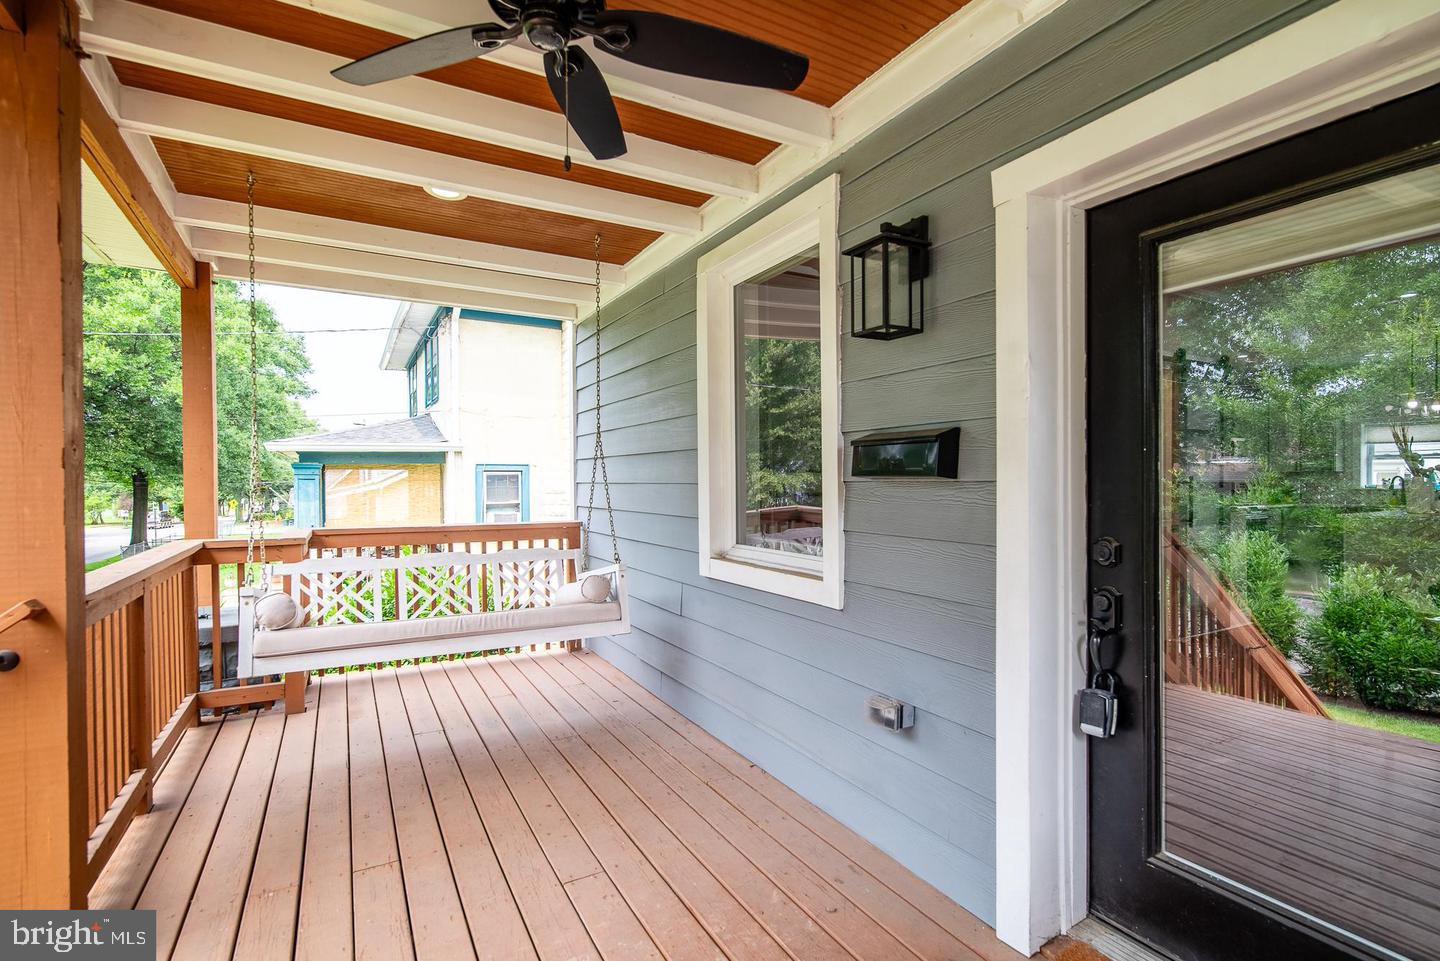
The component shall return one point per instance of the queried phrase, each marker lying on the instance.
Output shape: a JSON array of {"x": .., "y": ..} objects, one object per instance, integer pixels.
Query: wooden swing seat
[{"x": 444, "y": 602}]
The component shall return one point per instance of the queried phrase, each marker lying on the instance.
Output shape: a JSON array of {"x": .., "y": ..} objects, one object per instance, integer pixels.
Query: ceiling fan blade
[
  {"x": 592, "y": 110},
  {"x": 426, "y": 53},
  {"x": 698, "y": 50}
]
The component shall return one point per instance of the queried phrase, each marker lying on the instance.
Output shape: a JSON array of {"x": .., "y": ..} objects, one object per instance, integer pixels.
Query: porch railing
[
  {"x": 141, "y": 682},
  {"x": 142, "y": 648},
  {"x": 1212, "y": 643}
]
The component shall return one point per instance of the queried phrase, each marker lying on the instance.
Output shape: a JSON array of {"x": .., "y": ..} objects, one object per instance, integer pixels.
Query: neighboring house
[{"x": 487, "y": 439}]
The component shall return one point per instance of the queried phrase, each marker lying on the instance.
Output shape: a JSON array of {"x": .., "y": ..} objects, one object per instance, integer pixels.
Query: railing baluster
[{"x": 140, "y": 623}]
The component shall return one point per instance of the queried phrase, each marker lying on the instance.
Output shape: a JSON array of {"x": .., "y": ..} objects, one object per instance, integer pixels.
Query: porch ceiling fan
[{"x": 655, "y": 40}]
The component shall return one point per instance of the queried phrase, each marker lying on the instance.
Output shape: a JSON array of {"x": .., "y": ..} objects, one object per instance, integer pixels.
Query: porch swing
[{"x": 333, "y": 611}]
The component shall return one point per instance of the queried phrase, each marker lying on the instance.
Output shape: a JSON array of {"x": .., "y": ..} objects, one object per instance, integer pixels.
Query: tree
[
  {"x": 132, "y": 387},
  {"x": 782, "y": 429},
  {"x": 1272, "y": 365}
]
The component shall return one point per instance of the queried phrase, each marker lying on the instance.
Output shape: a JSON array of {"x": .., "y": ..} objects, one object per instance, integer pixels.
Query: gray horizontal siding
[{"x": 785, "y": 682}]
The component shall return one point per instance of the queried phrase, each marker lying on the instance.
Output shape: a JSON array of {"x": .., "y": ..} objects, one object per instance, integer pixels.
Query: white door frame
[{"x": 1347, "y": 57}]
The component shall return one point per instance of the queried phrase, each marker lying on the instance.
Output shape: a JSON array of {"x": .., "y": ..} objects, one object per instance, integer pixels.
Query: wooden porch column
[
  {"x": 200, "y": 467},
  {"x": 42, "y": 712}
]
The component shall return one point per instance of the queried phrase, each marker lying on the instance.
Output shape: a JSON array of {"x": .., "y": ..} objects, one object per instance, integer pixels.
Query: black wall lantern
[{"x": 887, "y": 281}]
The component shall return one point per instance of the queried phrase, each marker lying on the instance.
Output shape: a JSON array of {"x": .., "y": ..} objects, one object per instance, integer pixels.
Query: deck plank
[
  {"x": 172, "y": 882},
  {"x": 538, "y": 807},
  {"x": 484, "y": 893},
  {"x": 214, "y": 916},
  {"x": 267, "y": 923},
  {"x": 826, "y": 906},
  {"x": 728, "y": 922},
  {"x": 670, "y": 923},
  {"x": 555, "y": 927},
  {"x": 437, "y": 920},
  {"x": 119, "y": 885},
  {"x": 382, "y": 919},
  {"x": 1343, "y": 822},
  {"x": 962, "y": 925},
  {"x": 325, "y": 927},
  {"x": 766, "y": 901},
  {"x": 921, "y": 934}
]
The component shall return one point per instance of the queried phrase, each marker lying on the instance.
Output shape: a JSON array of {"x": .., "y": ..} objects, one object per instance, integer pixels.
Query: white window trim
[
  {"x": 810, "y": 220},
  {"x": 1345, "y": 58}
]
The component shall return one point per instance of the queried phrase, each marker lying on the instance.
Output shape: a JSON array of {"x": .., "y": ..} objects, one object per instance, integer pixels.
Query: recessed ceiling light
[{"x": 445, "y": 193}]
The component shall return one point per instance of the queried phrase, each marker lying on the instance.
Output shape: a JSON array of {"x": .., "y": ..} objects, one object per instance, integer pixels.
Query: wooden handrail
[
  {"x": 22, "y": 611},
  {"x": 111, "y": 588}
]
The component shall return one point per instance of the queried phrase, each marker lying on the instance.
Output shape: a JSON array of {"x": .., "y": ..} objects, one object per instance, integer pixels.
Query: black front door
[{"x": 1264, "y": 448}]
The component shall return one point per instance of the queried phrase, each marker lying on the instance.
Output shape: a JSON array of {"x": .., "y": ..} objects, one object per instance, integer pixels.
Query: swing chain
[
  {"x": 597, "y": 461},
  {"x": 256, "y": 535}
]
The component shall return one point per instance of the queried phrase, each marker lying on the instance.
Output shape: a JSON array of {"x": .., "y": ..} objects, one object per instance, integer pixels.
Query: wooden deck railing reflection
[
  {"x": 1212, "y": 643},
  {"x": 143, "y": 681}
]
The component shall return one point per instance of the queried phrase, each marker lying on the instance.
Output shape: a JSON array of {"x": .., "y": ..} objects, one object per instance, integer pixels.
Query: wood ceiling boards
[
  {"x": 209, "y": 172},
  {"x": 292, "y": 24}
]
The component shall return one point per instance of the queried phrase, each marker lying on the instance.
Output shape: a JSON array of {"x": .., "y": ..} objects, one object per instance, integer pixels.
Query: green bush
[
  {"x": 1376, "y": 637},
  {"x": 1256, "y": 566},
  {"x": 1408, "y": 542}
]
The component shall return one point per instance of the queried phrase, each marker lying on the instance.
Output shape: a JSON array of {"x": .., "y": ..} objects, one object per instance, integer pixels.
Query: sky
[{"x": 345, "y": 346}]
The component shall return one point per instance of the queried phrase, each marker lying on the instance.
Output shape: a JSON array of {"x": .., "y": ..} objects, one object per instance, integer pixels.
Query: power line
[{"x": 237, "y": 333}]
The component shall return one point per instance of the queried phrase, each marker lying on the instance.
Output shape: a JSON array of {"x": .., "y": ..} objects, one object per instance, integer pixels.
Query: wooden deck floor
[
  {"x": 523, "y": 807},
  {"x": 1341, "y": 821}
]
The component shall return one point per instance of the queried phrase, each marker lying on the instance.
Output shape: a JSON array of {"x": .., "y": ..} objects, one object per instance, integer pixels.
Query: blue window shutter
[{"x": 309, "y": 494}]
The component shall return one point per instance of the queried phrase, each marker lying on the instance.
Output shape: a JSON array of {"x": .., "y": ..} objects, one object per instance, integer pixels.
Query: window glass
[
  {"x": 1299, "y": 557},
  {"x": 778, "y": 424},
  {"x": 432, "y": 367},
  {"x": 503, "y": 497}
]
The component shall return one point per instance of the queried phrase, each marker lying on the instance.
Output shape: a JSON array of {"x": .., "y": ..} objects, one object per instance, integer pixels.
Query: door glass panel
[{"x": 1300, "y": 558}]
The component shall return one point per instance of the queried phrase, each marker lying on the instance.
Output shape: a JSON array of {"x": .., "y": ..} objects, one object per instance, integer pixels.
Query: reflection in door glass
[{"x": 1300, "y": 558}]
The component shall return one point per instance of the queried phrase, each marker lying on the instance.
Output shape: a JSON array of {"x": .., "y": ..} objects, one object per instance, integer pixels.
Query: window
[
  {"x": 770, "y": 445},
  {"x": 503, "y": 493},
  {"x": 432, "y": 367},
  {"x": 425, "y": 359}
]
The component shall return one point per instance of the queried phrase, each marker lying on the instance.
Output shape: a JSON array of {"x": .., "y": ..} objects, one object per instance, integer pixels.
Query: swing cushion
[
  {"x": 591, "y": 589},
  {"x": 278, "y": 611},
  {"x": 337, "y": 637}
]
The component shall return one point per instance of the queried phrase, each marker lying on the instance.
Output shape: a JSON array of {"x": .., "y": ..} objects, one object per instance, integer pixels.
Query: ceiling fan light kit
[{"x": 556, "y": 27}]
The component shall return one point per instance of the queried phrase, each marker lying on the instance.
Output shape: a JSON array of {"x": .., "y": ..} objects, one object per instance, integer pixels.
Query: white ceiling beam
[
  {"x": 193, "y": 121},
  {"x": 770, "y": 114},
  {"x": 187, "y": 45},
  {"x": 341, "y": 282},
  {"x": 953, "y": 46},
  {"x": 294, "y": 253},
  {"x": 108, "y": 89},
  {"x": 333, "y": 232}
]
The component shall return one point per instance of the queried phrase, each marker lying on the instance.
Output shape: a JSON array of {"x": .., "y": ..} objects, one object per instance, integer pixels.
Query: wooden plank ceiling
[{"x": 210, "y": 91}]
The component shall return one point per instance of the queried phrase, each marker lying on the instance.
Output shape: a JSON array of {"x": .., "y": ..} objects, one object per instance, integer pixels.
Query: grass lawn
[
  {"x": 99, "y": 564},
  {"x": 1409, "y": 725}
]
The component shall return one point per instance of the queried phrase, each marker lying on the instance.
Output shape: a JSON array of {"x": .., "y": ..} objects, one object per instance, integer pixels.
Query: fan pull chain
[{"x": 565, "y": 68}]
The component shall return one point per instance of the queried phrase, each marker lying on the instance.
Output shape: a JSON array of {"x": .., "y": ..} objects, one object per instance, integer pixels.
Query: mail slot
[{"x": 907, "y": 454}]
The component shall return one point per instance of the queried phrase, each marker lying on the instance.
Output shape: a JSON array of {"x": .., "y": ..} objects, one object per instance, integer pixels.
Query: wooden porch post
[
  {"x": 42, "y": 712},
  {"x": 200, "y": 466}
]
